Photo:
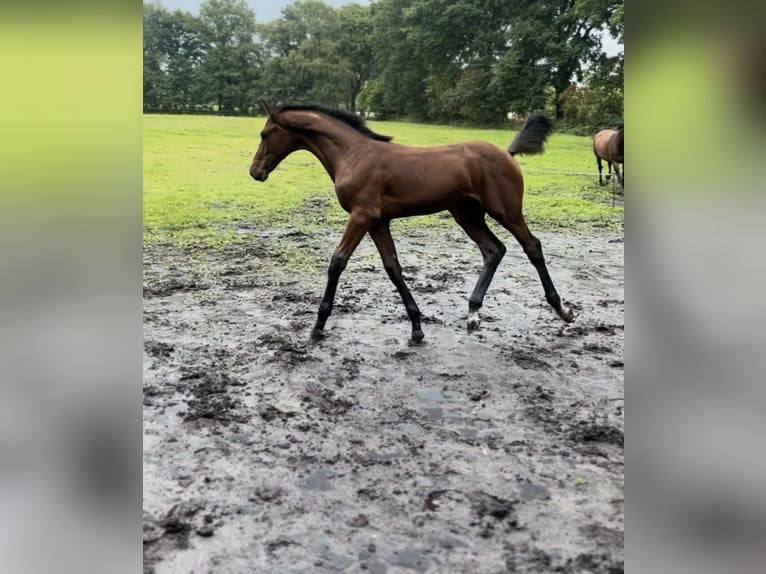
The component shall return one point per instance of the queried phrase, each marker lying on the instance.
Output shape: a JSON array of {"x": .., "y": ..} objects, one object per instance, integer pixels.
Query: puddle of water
[
  {"x": 412, "y": 559},
  {"x": 434, "y": 395},
  {"x": 334, "y": 561},
  {"x": 531, "y": 491},
  {"x": 435, "y": 414},
  {"x": 409, "y": 429},
  {"x": 437, "y": 396},
  {"x": 317, "y": 480}
]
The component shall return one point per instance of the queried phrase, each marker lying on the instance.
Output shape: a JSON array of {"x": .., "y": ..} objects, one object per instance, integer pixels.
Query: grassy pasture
[{"x": 197, "y": 190}]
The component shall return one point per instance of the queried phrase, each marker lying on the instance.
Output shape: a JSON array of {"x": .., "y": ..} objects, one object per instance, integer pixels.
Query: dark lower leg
[
  {"x": 476, "y": 300},
  {"x": 600, "y": 169},
  {"x": 355, "y": 230},
  {"x": 534, "y": 251},
  {"x": 337, "y": 265},
  {"x": 381, "y": 235},
  {"x": 394, "y": 271},
  {"x": 471, "y": 219},
  {"x": 619, "y": 176}
]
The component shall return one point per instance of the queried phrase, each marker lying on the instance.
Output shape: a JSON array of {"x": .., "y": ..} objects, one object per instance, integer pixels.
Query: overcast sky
[{"x": 266, "y": 10}]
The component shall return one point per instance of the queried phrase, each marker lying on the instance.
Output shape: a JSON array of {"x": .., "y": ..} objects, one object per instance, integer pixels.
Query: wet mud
[{"x": 501, "y": 450}]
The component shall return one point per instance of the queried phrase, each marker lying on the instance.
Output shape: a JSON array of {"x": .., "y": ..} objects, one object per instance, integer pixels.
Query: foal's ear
[{"x": 268, "y": 107}]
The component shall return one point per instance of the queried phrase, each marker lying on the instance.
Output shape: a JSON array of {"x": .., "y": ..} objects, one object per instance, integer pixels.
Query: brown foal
[{"x": 377, "y": 181}]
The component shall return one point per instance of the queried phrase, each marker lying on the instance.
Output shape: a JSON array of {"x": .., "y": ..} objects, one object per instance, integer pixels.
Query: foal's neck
[{"x": 330, "y": 142}]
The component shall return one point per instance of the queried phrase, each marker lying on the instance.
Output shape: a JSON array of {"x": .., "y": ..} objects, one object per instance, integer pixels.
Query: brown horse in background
[
  {"x": 377, "y": 181},
  {"x": 609, "y": 145}
]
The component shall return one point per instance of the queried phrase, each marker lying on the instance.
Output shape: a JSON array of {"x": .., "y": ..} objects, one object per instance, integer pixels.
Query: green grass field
[{"x": 197, "y": 190}]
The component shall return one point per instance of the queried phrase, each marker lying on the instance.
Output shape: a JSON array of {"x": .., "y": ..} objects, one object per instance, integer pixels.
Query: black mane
[{"x": 346, "y": 117}]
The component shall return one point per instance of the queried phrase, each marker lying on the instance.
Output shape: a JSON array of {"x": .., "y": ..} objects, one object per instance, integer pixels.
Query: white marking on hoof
[{"x": 473, "y": 320}]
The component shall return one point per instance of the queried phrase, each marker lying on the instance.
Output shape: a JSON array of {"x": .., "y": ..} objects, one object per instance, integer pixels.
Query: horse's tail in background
[
  {"x": 620, "y": 141},
  {"x": 531, "y": 139}
]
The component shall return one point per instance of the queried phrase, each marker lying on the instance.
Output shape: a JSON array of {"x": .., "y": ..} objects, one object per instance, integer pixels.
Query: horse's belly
[{"x": 421, "y": 201}]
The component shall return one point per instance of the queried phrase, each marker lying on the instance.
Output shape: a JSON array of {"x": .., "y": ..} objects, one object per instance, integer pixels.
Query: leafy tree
[
  {"x": 588, "y": 109},
  {"x": 355, "y": 47},
  {"x": 232, "y": 61},
  {"x": 173, "y": 55},
  {"x": 459, "y": 42},
  {"x": 430, "y": 60},
  {"x": 305, "y": 60},
  {"x": 550, "y": 43},
  {"x": 398, "y": 85},
  {"x": 154, "y": 76},
  {"x": 475, "y": 60}
]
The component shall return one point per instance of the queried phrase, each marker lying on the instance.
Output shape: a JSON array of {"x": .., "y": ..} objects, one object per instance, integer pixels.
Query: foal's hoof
[
  {"x": 566, "y": 314},
  {"x": 417, "y": 337},
  {"x": 473, "y": 321},
  {"x": 317, "y": 335}
]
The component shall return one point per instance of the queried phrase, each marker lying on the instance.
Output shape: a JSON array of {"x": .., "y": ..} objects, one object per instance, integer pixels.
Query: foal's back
[{"x": 422, "y": 180}]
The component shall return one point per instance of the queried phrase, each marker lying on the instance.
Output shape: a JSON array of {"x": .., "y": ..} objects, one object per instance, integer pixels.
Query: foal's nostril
[{"x": 258, "y": 175}]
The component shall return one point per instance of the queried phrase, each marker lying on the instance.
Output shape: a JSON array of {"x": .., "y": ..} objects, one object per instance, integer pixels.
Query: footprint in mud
[
  {"x": 285, "y": 350},
  {"x": 173, "y": 530},
  {"x": 158, "y": 349},
  {"x": 333, "y": 561},
  {"x": 428, "y": 288},
  {"x": 267, "y": 493},
  {"x": 529, "y": 360},
  {"x": 411, "y": 559},
  {"x": 295, "y": 297},
  {"x": 269, "y": 412},
  {"x": 608, "y": 329},
  {"x": 597, "y": 349},
  {"x": 325, "y": 400},
  {"x": 531, "y": 491},
  {"x": 211, "y": 399},
  {"x": 590, "y": 432},
  {"x": 168, "y": 286},
  {"x": 446, "y": 277}
]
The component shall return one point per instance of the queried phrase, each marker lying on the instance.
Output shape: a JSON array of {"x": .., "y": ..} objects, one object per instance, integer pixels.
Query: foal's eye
[{"x": 263, "y": 135}]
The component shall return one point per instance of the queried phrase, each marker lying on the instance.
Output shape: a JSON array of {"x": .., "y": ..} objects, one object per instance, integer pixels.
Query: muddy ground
[{"x": 495, "y": 451}]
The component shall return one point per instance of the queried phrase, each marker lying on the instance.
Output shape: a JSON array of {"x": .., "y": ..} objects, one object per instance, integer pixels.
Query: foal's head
[{"x": 276, "y": 144}]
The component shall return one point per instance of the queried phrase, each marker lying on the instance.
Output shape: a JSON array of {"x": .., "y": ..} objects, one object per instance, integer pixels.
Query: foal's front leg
[
  {"x": 381, "y": 235},
  {"x": 356, "y": 227}
]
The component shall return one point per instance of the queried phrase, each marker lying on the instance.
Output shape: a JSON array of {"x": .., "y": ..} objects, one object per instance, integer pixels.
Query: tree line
[{"x": 447, "y": 61}]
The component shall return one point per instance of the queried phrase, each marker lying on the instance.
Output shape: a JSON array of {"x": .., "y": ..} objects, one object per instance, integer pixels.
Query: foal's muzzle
[{"x": 258, "y": 174}]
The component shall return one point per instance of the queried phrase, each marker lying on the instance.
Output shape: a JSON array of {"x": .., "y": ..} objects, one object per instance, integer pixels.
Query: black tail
[{"x": 531, "y": 138}]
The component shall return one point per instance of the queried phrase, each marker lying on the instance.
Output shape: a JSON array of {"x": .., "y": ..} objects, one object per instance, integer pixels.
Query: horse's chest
[
  {"x": 345, "y": 198},
  {"x": 351, "y": 193}
]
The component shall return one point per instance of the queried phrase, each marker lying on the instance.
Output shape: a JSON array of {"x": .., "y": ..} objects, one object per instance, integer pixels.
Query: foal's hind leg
[
  {"x": 471, "y": 218},
  {"x": 381, "y": 235},
  {"x": 534, "y": 251}
]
